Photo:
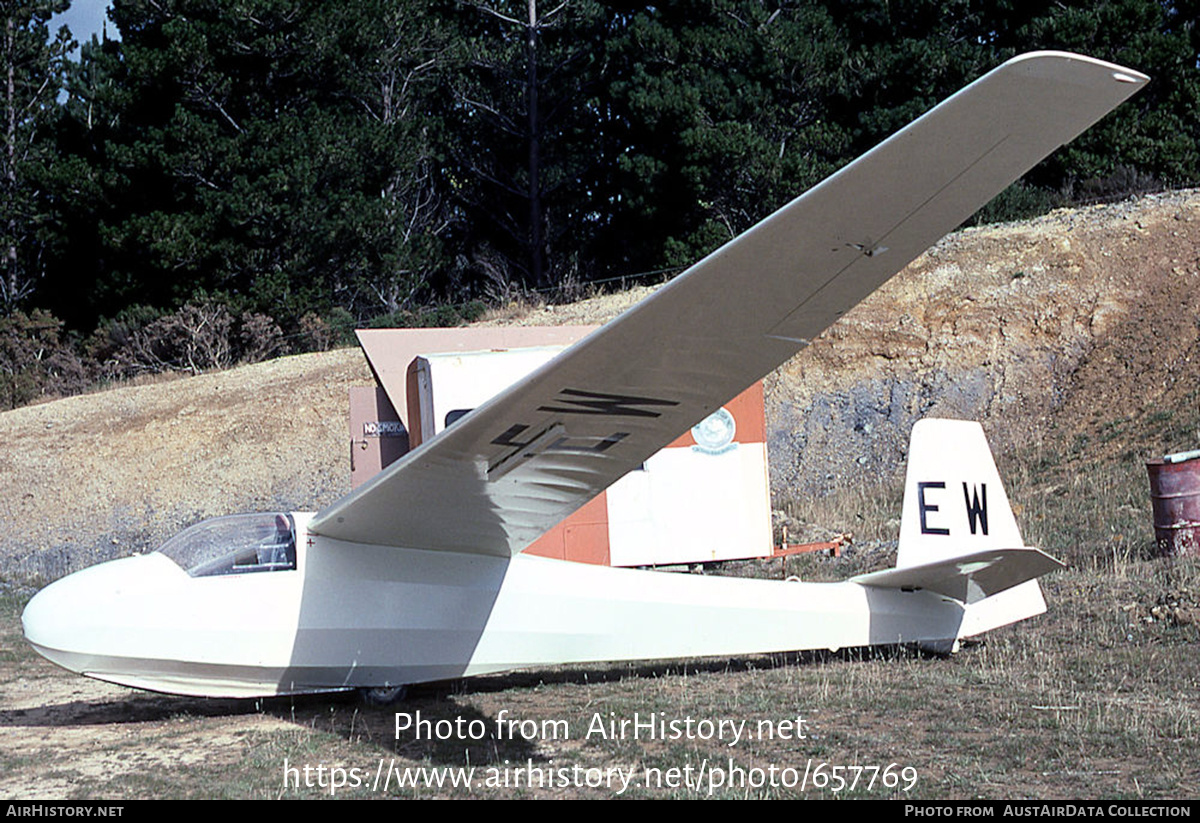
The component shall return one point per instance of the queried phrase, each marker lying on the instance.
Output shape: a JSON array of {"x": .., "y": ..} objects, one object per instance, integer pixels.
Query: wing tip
[{"x": 1117, "y": 73}]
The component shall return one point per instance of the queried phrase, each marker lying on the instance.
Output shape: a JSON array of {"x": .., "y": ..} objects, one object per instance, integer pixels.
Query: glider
[{"x": 418, "y": 574}]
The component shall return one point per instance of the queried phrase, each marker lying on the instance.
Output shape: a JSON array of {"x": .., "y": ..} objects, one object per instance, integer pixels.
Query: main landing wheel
[{"x": 383, "y": 695}]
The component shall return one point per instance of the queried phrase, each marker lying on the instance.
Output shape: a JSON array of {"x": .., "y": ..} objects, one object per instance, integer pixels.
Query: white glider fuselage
[
  {"x": 296, "y": 603},
  {"x": 352, "y": 616}
]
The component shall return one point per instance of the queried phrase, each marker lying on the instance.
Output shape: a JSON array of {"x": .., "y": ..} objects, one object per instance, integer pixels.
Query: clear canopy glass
[{"x": 237, "y": 544}]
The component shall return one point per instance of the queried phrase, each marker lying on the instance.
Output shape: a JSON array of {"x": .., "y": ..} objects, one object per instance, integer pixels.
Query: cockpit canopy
[{"x": 237, "y": 544}]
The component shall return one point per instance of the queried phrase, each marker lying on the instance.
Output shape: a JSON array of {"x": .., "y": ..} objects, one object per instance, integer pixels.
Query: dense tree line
[{"x": 289, "y": 170}]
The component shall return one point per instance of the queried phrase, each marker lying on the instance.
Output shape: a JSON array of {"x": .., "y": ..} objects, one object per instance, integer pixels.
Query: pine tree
[
  {"x": 33, "y": 68},
  {"x": 273, "y": 155},
  {"x": 724, "y": 108},
  {"x": 527, "y": 129}
]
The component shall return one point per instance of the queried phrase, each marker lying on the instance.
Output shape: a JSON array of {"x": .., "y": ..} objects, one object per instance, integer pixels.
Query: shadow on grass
[
  {"x": 134, "y": 708},
  {"x": 434, "y": 700}
]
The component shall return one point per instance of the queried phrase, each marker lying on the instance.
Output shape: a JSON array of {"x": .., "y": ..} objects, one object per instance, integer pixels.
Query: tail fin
[
  {"x": 954, "y": 502},
  {"x": 958, "y": 535}
]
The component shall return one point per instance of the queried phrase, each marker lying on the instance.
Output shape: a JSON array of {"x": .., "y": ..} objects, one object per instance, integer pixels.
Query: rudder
[{"x": 954, "y": 502}]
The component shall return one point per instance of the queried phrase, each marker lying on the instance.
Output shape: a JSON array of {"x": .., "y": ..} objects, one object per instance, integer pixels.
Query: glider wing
[{"x": 514, "y": 467}]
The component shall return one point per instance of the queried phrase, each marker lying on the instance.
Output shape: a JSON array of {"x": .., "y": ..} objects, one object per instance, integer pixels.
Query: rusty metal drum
[{"x": 1175, "y": 498}]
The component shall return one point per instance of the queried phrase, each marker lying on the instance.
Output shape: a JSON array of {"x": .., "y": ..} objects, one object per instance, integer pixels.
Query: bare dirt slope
[
  {"x": 101, "y": 475},
  {"x": 1055, "y": 328},
  {"x": 1074, "y": 324}
]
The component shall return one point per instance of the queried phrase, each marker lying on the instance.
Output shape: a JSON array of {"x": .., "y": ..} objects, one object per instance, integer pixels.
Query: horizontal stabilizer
[{"x": 970, "y": 577}]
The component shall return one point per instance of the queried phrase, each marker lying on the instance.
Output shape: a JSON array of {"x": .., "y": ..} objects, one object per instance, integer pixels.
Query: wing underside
[{"x": 513, "y": 468}]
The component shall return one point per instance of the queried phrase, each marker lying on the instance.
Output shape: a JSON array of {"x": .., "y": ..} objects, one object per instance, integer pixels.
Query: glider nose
[
  {"x": 66, "y": 621},
  {"x": 48, "y": 620}
]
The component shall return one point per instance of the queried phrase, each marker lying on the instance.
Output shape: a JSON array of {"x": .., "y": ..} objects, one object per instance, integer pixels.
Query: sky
[{"x": 84, "y": 18}]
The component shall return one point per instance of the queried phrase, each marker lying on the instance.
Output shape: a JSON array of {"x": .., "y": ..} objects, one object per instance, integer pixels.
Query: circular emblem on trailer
[{"x": 714, "y": 434}]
